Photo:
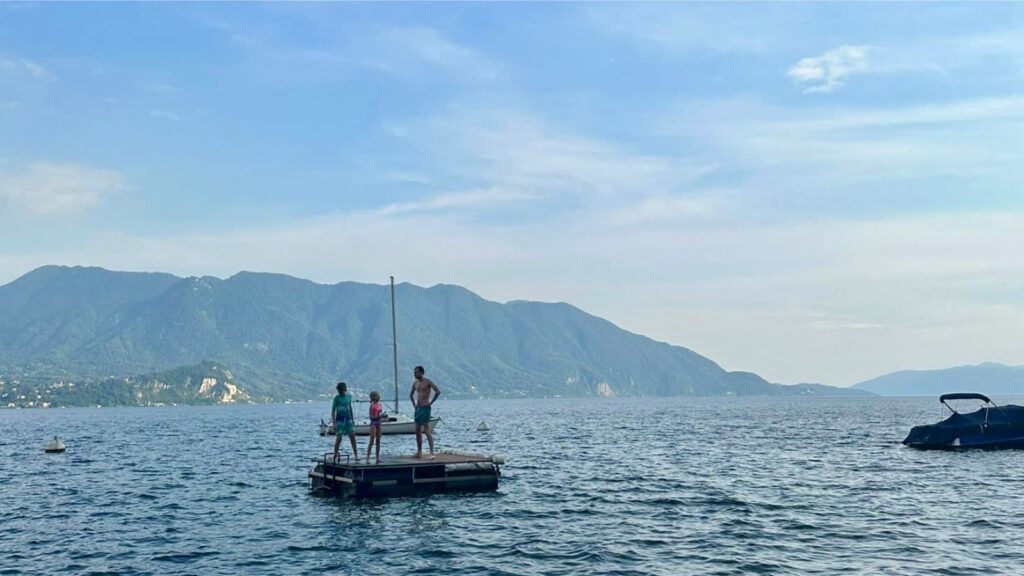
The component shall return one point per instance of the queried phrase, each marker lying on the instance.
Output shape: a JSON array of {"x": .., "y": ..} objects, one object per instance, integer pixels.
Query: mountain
[
  {"x": 285, "y": 337},
  {"x": 988, "y": 378}
]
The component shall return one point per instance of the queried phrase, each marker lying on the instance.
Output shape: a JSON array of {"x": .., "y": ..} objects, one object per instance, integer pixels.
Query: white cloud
[
  {"x": 999, "y": 48},
  {"x": 49, "y": 188},
  {"x": 507, "y": 158},
  {"x": 829, "y": 324},
  {"x": 829, "y": 71},
  {"x": 160, "y": 114},
  {"x": 468, "y": 199},
  {"x": 957, "y": 59},
  {"x": 159, "y": 86},
  {"x": 404, "y": 176},
  {"x": 670, "y": 209},
  {"x": 25, "y": 66},
  {"x": 1007, "y": 108},
  {"x": 789, "y": 153},
  {"x": 515, "y": 151},
  {"x": 409, "y": 51},
  {"x": 406, "y": 50},
  {"x": 683, "y": 28}
]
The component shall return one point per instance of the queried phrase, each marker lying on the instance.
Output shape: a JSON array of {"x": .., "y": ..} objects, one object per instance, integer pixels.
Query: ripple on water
[{"x": 609, "y": 486}]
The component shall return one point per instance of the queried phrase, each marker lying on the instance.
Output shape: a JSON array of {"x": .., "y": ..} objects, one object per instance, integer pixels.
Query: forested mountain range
[{"x": 287, "y": 338}]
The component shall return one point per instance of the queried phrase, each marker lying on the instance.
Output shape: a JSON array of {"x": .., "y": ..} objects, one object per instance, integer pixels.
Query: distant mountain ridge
[
  {"x": 988, "y": 378},
  {"x": 285, "y": 337}
]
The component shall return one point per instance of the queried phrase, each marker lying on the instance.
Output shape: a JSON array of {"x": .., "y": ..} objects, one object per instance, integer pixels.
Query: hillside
[
  {"x": 285, "y": 337},
  {"x": 206, "y": 383},
  {"x": 988, "y": 378}
]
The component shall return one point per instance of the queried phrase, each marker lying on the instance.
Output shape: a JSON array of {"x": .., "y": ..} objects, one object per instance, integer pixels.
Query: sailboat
[{"x": 395, "y": 422}]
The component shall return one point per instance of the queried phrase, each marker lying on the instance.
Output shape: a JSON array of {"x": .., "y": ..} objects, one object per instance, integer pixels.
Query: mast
[{"x": 394, "y": 341}]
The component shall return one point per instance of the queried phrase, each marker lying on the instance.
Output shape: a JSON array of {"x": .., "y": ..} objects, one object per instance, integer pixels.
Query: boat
[
  {"x": 396, "y": 422},
  {"x": 55, "y": 446},
  {"x": 389, "y": 424},
  {"x": 405, "y": 475},
  {"x": 990, "y": 426}
]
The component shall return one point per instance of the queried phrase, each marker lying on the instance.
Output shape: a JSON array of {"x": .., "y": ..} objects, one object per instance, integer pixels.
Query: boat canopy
[{"x": 964, "y": 396}]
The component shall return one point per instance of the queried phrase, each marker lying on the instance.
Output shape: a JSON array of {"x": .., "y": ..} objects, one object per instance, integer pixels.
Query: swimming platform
[{"x": 400, "y": 475}]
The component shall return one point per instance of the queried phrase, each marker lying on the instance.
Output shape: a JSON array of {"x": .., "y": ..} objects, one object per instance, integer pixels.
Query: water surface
[{"x": 599, "y": 486}]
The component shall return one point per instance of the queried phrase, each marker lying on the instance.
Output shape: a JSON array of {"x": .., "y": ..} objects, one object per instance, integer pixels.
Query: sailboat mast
[{"x": 394, "y": 341}]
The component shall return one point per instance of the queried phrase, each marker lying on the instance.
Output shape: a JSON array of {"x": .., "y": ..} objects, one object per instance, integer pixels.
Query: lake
[{"x": 595, "y": 486}]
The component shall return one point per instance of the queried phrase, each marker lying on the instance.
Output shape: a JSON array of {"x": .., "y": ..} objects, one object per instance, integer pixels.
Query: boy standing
[{"x": 344, "y": 422}]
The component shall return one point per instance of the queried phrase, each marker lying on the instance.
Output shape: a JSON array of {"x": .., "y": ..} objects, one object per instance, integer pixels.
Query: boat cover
[{"x": 1004, "y": 426}]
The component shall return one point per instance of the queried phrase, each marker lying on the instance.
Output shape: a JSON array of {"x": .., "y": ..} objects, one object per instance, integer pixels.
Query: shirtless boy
[{"x": 421, "y": 402}]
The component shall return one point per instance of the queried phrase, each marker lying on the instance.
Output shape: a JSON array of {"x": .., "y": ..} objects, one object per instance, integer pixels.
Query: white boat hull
[
  {"x": 400, "y": 425},
  {"x": 363, "y": 429}
]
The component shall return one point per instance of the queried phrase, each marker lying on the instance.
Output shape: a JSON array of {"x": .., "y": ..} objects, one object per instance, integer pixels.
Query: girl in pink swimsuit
[{"x": 376, "y": 413}]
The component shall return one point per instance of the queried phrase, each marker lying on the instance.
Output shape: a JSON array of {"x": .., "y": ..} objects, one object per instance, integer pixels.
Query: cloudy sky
[{"x": 813, "y": 192}]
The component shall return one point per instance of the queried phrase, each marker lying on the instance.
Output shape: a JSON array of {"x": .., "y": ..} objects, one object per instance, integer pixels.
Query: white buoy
[
  {"x": 482, "y": 427},
  {"x": 55, "y": 446}
]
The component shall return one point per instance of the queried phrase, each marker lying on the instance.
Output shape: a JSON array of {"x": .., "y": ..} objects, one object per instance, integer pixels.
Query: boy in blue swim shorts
[{"x": 344, "y": 422}]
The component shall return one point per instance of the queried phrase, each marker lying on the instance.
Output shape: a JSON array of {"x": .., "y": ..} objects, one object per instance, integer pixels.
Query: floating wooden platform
[{"x": 404, "y": 475}]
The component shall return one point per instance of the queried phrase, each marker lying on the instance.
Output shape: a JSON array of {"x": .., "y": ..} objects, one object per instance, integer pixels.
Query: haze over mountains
[
  {"x": 284, "y": 337},
  {"x": 987, "y": 378}
]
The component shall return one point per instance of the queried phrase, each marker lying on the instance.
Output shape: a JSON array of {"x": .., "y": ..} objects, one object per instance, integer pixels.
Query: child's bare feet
[
  {"x": 432, "y": 456},
  {"x": 418, "y": 455}
]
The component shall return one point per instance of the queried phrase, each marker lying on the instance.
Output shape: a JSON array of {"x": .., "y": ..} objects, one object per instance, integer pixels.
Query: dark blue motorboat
[{"x": 990, "y": 426}]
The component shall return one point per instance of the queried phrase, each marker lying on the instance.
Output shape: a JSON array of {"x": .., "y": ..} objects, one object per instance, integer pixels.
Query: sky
[{"x": 812, "y": 192}]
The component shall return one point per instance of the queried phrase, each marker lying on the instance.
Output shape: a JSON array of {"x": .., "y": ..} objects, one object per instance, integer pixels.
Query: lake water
[{"x": 598, "y": 486}]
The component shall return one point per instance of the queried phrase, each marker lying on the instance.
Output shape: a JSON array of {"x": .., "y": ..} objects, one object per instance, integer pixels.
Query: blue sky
[{"x": 814, "y": 192}]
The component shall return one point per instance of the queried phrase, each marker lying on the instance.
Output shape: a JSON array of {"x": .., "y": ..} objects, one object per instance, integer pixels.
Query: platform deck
[
  {"x": 405, "y": 474},
  {"x": 403, "y": 461}
]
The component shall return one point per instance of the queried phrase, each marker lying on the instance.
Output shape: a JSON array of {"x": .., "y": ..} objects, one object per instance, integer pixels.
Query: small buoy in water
[
  {"x": 55, "y": 446},
  {"x": 482, "y": 427}
]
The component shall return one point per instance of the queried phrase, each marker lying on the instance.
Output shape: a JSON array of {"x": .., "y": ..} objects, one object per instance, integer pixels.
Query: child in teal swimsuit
[{"x": 341, "y": 415}]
